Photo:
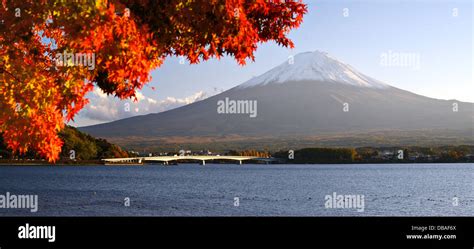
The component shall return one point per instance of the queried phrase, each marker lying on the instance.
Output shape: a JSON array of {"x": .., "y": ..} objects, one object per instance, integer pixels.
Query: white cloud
[{"x": 103, "y": 108}]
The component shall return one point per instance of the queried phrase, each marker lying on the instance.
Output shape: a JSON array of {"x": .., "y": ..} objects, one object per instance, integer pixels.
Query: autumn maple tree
[{"x": 128, "y": 40}]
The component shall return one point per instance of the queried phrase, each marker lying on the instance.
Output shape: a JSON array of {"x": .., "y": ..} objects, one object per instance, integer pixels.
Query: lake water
[{"x": 247, "y": 190}]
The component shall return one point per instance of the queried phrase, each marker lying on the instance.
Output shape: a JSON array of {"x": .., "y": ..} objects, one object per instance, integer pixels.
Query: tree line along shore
[{"x": 83, "y": 149}]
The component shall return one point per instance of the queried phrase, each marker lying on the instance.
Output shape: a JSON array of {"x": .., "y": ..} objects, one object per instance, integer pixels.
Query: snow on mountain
[
  {"x": 304, "y": 100},
  {"x": 314, "y": 66}
]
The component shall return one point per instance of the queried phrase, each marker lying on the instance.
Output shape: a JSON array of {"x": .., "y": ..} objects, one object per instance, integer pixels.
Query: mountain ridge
[
  {"x": 301, "y": 108},
  {"x": 317, "y": 66}
]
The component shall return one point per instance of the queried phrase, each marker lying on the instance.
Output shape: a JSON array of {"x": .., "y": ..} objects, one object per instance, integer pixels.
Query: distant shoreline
[
  {"x": 44, "y": 163},
  {"x": 7, "y": 164},
  {"x": 316, "y": 155}
]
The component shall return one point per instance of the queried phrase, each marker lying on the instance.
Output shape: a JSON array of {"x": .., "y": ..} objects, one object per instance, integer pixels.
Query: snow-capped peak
[{"x": 316, "y": 66}]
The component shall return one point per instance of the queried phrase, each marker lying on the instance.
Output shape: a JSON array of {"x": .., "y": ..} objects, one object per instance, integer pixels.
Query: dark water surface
[{"x": 262, "y": 190}]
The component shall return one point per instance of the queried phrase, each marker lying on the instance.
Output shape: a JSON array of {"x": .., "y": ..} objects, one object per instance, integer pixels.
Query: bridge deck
[{"x": 175, "y": 158}]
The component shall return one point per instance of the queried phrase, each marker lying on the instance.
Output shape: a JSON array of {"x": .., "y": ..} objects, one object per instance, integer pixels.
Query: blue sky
[{"x": 430, "y": 29}]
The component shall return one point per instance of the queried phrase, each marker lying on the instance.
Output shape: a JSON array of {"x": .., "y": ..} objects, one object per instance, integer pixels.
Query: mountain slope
[
  {"x": 315, "y": 96},
  {"x": 314, "y": 66}
]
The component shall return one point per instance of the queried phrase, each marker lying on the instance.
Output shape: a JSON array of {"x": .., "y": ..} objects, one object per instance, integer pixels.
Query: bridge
[{"x": 166, "y": 159}]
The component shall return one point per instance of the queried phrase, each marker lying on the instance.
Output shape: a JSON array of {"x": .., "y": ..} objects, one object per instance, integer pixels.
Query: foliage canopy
[{"x": 42, "y": 86}]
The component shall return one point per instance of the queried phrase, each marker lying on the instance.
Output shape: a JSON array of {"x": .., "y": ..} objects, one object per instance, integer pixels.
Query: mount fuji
[
  {"x": 315, "y": 66},
  {"x": 311, "y": 99}
]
